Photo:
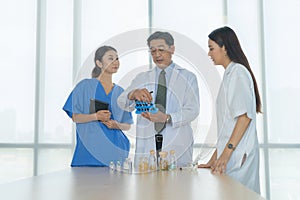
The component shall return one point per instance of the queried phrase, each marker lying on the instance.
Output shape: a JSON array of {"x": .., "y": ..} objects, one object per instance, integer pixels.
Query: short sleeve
[
  {"x": 240, "y": 95},
  {"x": 77, "y": 101},
  {"x": 68, "y": 106}
]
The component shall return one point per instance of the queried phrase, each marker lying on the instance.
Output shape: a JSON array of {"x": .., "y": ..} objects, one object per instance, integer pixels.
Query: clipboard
[{"x": 96, "y": 105}]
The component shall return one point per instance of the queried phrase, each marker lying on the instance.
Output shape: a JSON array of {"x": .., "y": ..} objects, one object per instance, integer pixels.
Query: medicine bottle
[
  {"x": 173, "y": 160},
  {"x": 163, "y": 160},
  {"x": 143, "y": 164},
  {"x": 127, "y": 165},
  {"x": 152, "y": 161},
  {"x": 119, "y": 166},
  {"x": 112, "y": 166}
]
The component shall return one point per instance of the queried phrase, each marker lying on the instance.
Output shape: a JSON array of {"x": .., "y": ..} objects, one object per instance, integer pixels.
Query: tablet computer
[{"x": 96, "y": 105}]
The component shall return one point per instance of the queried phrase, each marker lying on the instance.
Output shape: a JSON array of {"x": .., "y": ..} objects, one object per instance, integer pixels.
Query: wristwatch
[
  {"x": 169, "y": 119},
  {"x": 230, "y": 146}
]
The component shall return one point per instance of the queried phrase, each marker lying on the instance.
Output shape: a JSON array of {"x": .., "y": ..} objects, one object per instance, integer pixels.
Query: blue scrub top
[{"x": 96, "y": 144}]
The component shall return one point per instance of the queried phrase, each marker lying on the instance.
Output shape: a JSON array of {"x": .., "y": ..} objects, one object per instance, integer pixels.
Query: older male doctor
[{"x": 181, "y": 102}]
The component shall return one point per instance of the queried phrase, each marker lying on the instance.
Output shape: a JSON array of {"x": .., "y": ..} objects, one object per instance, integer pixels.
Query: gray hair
[{"x": 161, "y": 35}]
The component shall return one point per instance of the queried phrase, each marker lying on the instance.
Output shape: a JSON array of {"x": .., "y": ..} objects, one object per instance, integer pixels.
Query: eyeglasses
[{"x": 160, "y": 50}]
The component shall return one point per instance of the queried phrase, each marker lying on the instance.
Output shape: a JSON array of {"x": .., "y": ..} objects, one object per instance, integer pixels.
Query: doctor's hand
[
  {"x": 157, "y": 117},
  {"x": 103, "y": 115},
  {"x": 140, "y": 95},
  {"x": 219, "y": 165}
]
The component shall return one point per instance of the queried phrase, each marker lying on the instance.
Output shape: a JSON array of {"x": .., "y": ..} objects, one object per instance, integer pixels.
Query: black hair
[
  {"x": 98, "y": 56},
  {"x": 225, "y": 36}
]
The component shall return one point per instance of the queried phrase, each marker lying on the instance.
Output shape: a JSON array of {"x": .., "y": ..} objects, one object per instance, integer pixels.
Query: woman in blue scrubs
[{"x": 99, "y": 136}]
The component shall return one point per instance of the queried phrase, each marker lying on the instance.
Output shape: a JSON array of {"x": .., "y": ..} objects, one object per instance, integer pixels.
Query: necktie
[{"x": 160, "y": 100}]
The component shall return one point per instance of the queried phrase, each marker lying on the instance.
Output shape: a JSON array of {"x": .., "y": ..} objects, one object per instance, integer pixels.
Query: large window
[
  {"x": 56, "y": 70},
  {"x": 47, "y": 47},
  {"x": 282, "y": 79},
  {"x": 17, "y": 67},
  {"x": 17, "y": 75},
  {"x": 282, "y": 96}
]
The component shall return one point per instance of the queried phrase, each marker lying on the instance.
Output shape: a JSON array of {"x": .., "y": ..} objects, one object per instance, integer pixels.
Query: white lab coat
[
  {"x": 183, "y": 106},
  {"x": 236, "y": 97}
]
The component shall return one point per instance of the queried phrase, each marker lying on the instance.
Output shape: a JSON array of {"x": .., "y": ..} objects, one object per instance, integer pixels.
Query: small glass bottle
[
  {"x": 127, "y": 165},
  {"x": 146, "y": 164},
  {"x": 173, "y": 160},
  {"x": 141, "y": 164},
  {"x": 119, "y": 166},
  {"x": 163, "y": 160},
  {"x": 152, "y": 161},
  {"x": 112, "y": 166}
]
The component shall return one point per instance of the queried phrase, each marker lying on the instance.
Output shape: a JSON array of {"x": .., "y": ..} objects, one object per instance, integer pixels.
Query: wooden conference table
[{"x": 101, "y": 183}]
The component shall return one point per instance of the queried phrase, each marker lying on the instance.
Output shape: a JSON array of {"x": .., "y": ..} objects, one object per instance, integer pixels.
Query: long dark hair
[
  {"x": 225, "y": 36},
  {"x": 98, "y": 56}
]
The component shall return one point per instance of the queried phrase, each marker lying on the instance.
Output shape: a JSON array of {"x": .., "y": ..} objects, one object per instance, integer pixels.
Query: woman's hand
[
  {"x": 112, "y": 124},
  {"x": 103, "y": 115},
  {"x": 219, "y": 165},
  {"x": 207, "y": 165},
  {"x": 210, "y": 162}
]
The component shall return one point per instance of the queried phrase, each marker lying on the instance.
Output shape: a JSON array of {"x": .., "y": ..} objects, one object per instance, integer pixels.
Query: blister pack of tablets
[{"x": 142, "y": 106}]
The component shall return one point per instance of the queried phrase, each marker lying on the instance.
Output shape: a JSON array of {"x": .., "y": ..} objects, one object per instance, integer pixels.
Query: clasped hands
[{"x": 104, "y": 117}]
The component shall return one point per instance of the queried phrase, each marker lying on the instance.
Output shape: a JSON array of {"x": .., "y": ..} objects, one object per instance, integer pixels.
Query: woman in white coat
[{"x": 238, "y": 101}]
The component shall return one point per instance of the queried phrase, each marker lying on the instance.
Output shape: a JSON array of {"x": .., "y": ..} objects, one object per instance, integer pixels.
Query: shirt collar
[
  {"x": 168, "y": 69},
  {"x": 229, "y": 67}
]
